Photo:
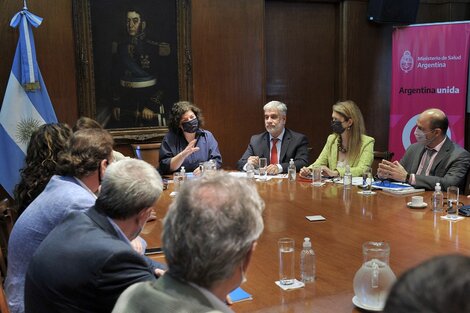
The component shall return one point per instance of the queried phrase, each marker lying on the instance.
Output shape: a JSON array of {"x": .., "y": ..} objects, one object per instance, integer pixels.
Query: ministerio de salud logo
[{"x": 406, "y": 62}]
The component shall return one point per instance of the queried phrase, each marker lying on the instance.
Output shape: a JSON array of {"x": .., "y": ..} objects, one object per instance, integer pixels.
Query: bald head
[{"x": 434, "y": 119}]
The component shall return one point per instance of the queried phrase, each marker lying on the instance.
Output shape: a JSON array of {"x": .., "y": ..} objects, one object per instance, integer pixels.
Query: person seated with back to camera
[
  {"x": 277, "y": 144},
  {"x": 439, "y": 285},
  {"x": 434, "y": 158},
  {"x": 187, "y": 144},
  {"x": 87, "y": 261},
  {"x": 205, "y": 263},
  {"x": 80, "y": 168},
  {"x": 87, "y": 123},
  {"x": 348, "y": 145},
  {"x": 41, "y": 162}
]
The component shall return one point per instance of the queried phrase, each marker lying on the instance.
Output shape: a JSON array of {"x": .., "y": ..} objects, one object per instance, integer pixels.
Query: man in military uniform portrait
[
  {"x": 137, "y": 98},
  {"x": 135, "y": 62}
]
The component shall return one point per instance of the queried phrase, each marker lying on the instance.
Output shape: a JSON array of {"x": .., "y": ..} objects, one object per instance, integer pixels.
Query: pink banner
[{"x": 429, "y": 70}]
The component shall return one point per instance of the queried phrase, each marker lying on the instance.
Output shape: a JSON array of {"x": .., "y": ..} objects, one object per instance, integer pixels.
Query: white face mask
[{"x": 421, "y": 137}]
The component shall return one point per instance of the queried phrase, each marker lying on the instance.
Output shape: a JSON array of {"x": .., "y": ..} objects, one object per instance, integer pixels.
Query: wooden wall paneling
[
  {"x": 8, "y": 38},
  {"x": 443, "y": 11},
  {"x": 57, "y": 53},
  {"x": 433, "y": 13},
  {"x": 228, "y": 70},
  {"x": 301, "y": 65},
  {"x": 460, "y": 11},
  {"x": 366, "y": 68}
]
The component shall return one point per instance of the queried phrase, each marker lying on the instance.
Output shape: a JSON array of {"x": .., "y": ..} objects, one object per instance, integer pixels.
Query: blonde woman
[{"x": 347, "y": 145}]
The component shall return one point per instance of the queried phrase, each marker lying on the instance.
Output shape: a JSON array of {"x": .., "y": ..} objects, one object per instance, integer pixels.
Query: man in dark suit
[
  {"x": 277, "y": 144},
  {"x": 207, "y": 262},
  {"x": 85, "y": 263},
  {"x": 434, "y": 158}
]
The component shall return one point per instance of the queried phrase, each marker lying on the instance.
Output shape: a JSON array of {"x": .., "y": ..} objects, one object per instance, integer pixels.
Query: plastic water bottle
[
  {"x": 307, "y": 262},
  {"x": 183, "y": 173},
  {"x": 437, "y": 199},
  {"x": 347, "y": 179},
  {"x": 291, "y": 170}
]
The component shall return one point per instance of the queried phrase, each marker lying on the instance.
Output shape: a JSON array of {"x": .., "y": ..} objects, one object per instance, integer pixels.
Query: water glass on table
[
  {"x": 263, "y": 168},
  {"x": 367, "y": 181},
  {"x": 316, "y": 176},
  {"x": 286, "y": 261},
  {"x": 453, "y": 202},
  {"x": 177, "y": 180}
]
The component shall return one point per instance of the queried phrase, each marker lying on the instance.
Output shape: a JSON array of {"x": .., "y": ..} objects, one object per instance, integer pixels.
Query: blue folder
[{"x": 239, "y": 295}]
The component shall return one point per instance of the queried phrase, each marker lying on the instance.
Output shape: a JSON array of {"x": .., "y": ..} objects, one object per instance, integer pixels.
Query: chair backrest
[
  {"x": 149, "y": 152},
  {"x": 7, "y": 219},
  {"x": 467, "y": 183},
  {"x": 378, "y": 157},
  {"x": 3, "y": 300}
]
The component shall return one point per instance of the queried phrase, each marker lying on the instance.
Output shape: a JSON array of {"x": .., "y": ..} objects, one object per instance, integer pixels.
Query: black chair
[{"x": 7, "y": 219}]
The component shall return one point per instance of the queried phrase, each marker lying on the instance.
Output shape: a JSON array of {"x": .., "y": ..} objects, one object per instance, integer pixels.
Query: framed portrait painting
[{"x": 134, "y": 62}]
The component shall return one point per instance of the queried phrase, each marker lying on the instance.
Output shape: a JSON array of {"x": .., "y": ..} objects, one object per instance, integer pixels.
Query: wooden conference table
[{"x": 414, "y": 235}]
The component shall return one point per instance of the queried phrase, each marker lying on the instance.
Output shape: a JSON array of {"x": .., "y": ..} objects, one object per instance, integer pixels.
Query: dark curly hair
[
  {"x": 86, "y": 149},
  {"x": 41, "y": 160},
  {"x": 177, "y": 111}
]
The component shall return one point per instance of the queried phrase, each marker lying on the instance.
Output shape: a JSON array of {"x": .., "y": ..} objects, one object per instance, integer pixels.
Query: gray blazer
[
  {"x": 294, "y": 146},
  {"x": 449, "y": 168},
  {"x": 167, "y": 295}
]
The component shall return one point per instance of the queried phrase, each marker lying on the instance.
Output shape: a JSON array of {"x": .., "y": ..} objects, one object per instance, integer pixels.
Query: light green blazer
[{"x": 329, "y": 156}]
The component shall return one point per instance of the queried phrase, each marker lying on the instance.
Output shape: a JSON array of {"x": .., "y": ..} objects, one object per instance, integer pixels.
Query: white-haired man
[
  {"x": 277, "y": 144},
  {"x": 86, "y": 262},
  {"x": 205, "y": 263}
]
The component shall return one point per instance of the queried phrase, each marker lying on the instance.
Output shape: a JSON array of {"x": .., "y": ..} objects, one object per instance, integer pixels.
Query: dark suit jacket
[
  {"x": 449, "y": 167},
  {"x": 82, "y": 266},
  {"x": 167, "y": 295},
  {"x": 294, "y": 146}
]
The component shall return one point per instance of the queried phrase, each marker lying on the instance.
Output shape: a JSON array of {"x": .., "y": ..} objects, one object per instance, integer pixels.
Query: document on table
[
  {"x": 243, "y": 174},
  {"x": 356, "y": 181}
]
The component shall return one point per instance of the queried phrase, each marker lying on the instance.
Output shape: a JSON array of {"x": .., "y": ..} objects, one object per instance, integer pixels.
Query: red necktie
[{"x": 274, "y": 152}]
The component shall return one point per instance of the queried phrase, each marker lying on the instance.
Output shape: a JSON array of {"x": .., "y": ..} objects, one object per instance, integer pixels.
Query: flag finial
[{"x": 25, "y": 7}]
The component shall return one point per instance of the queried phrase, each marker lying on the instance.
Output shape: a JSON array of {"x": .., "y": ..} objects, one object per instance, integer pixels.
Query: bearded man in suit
[{"x": 277, "y": 144}]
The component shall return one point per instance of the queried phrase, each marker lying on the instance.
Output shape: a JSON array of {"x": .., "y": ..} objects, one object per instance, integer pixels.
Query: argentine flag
[{"x": 26, "y": 104}]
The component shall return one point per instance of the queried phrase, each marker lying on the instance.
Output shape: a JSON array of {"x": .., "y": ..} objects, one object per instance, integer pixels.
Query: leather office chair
[
  {"x": 149, "y": 152},
  {"x": 7, "y": 219},
  {"x": 378, "y": 157}
]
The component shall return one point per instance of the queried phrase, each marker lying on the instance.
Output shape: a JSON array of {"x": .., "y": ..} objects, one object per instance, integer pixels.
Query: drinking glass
[
  {"x": 316, "y": 176},
  {"x": 263, "y": 164},
  {"x": 286, "y": 261},
  {"x": 453, "y": 202},
  {"x": 177, "y": 180},
  {"x": 367, "y": 181}
]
